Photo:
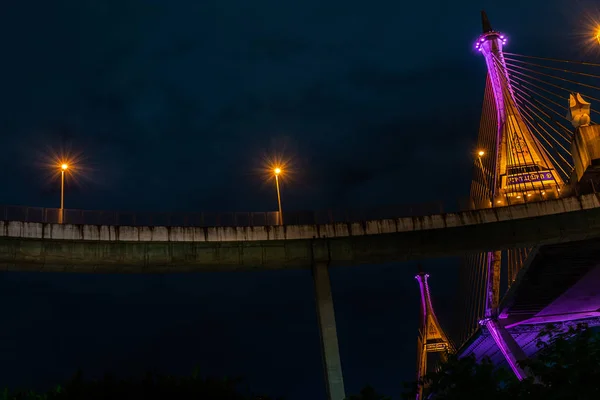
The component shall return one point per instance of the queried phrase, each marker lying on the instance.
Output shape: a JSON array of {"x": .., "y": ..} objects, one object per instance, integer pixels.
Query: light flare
[
  {"x": 588, "y": 35},
  {"x": 66, "y": 161},
  {"x": 276, "y": 165}
]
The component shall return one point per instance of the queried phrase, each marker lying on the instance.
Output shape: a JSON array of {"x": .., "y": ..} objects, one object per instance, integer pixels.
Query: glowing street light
[
  {"x": 277, "y": 171},
  {"x": 598, "y": 35},
  {"x": 480, "y": 154},
  {"x": 63, "y": 168}
]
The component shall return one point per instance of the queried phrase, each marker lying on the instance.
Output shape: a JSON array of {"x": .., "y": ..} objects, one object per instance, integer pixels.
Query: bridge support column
[
  {"x": 509, "y": 347},
  {"x": 334, "y": 380}
]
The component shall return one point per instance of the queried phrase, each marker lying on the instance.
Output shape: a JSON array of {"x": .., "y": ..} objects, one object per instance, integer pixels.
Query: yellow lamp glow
[
  {"x": 277, "y": 171},
  {"x": 64, "y": 167},
  {"x": 481, "y": 153}
]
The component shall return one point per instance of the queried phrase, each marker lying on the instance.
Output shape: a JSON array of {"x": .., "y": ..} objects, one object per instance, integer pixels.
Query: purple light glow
[
  {"x": 494, "y": 331},
  {"x": 492, "y": 50},
  {"x": 423, "y": 299}
]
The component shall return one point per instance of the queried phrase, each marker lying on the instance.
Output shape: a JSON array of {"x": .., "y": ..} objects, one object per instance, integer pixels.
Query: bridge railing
[{"x": 207, "y": 219}]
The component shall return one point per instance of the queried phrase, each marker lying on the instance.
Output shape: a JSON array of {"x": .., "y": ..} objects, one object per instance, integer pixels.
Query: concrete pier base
[{"x": 334, "y": 380}]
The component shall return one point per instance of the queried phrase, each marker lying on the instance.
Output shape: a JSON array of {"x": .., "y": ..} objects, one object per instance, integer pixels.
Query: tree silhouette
[
  {"x": 368, "y": 393},
  {"x": 152, "y": 386}
]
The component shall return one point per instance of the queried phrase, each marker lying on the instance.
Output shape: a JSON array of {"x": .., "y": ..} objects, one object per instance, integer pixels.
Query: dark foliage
[
  {"x": 150, "y": 387},
  {"x": 368, "y": 393},
  {"x": 567, "y": 366}
]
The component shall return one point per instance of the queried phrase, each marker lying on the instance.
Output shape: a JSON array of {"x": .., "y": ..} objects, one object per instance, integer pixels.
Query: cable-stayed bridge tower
[
  {"x": 518, "y": 168},
  {"x": 526, "y": 154}
]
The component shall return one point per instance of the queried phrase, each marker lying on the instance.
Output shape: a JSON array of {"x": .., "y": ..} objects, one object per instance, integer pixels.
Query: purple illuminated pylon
[
  {"x": 491, "y": 43},
  {"x": 431, "y": 336}
]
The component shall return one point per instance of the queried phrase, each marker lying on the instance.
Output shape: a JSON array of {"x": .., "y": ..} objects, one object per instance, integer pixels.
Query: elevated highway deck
[{"x": 94, "y": 248}]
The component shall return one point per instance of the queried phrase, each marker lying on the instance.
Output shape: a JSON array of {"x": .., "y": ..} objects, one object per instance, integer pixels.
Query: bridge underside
[{"x": 558, "y": 284}]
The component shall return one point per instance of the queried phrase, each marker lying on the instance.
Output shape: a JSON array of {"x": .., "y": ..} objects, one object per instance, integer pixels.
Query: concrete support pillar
[
  {"x": 334, "y": 380},
  {"x": 492, "y": 299},
  {"x": 508, "y": 346},
  {"x": 510, "y": 349}
]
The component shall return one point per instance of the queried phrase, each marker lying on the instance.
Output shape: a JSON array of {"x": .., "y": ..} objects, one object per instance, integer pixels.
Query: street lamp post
[
  {"x": 277, "y": 172},
  {"x": 63, "y": 169}
]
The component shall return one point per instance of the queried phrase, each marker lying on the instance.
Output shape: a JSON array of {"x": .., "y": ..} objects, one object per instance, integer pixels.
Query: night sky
[{"x": 173, "y": 106}]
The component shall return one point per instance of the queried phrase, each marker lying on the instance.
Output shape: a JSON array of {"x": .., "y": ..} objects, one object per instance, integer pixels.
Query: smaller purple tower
[{"x": 432, "y": 338}]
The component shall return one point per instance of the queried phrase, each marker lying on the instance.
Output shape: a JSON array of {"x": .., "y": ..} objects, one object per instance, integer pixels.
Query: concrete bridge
[{"x": 93, "y": 248}]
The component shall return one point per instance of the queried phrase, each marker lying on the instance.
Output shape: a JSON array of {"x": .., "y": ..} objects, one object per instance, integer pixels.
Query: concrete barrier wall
[{"x": 16, "y": 229}]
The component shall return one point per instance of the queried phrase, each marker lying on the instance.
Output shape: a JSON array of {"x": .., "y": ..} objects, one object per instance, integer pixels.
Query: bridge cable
[
  {"x": 525, "y": 85},
  {"x": 528, "y": 114},
  {"x": 530, "y": 119},
  {"x": 514, "y": 72},
  {"x": 522, "y": 94},
  {"x": 553, "y": 68},
  {"x": 510, "y": 102},
  {"x": 543, "y": 81},
  {"x": 515, "y": 76},
  {"x": 555, "y": 77},
  {"x": 554, "y": 59},
  {"x": 543, "y": 154},
  {"x": 514, "y": 131}
]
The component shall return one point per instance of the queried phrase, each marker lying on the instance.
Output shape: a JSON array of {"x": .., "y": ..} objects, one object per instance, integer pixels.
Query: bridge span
[{"x": 117, "y": 249}]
